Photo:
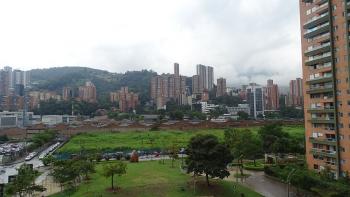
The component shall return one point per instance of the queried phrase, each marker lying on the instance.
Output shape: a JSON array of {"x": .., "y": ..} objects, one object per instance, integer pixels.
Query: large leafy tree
[
  {"x": 206, "y": 155},
  {"x": 84, "y": 167},
  {"x": 243, "y": 144},
  {"x": 113, "y": 169},
  {"x": 274, "y": 138},
  {"x": 65, "y": 173},
  {"x": 276, "y": 141},
  {"x": 242, "y": 115},
  {"x": 228, "y": 100},
  {"x": 24, "y": 183}
]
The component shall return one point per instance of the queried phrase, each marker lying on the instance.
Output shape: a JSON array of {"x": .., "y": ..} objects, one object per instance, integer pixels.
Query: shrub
[
  {"x": 127, "y": 157},
  {"x": 251, "y": 166},
  {"x": 269, "y": 171}
]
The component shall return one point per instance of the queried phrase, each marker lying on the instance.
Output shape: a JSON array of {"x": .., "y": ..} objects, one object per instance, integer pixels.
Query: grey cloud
[{"x": 245, "y": 40}]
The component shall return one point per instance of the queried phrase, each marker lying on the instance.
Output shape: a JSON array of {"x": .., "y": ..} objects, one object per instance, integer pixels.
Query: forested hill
[{"x": 54, "y": 79}]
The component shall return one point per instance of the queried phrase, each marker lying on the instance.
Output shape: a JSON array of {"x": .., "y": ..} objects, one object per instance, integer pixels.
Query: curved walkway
[{"x": 261, "y": 184}]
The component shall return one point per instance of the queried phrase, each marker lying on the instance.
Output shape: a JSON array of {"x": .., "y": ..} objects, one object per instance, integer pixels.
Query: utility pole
[
  {"x": 24, "y": 115},
  {"x": 289, "y": 178}
]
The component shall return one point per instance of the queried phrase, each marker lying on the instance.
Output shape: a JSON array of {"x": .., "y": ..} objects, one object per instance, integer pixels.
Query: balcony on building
[
  {"x": 318, "y": 49},
  {"x": 326, "y": 141},
  {"x": 321, "y": 6},
  {"x": 320, "y": 89},
  {"x": 317, "y": 20},
  {"x": 322, "y": 38},
  {"x": 329, "y": 129},
  {"x": 323, "y": 79},
  {"x": 322, "y": 120},
  {"x": 324, "y": 67},
  {"x": 324, "y": 153},
  {"x": 319, "y": 59},
  {"x": 309, "y": 33},
  {"x": 332, "y": 163},
  {"x": 321, "y": 110}
]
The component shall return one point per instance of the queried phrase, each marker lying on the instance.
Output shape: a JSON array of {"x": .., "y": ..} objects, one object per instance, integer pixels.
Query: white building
[
  {"x": 241, "y": 107},
  {"x": 206, "y": 107},
  {"x": 57, "y": 119},
  {"x": 52, "y": 119},
  {"x": 255, "y": 98},
  {"x": 14, "y": 119}
]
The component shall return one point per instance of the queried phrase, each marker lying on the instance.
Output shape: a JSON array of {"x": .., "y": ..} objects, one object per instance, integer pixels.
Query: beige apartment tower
[{"x": 325, "y": 57}]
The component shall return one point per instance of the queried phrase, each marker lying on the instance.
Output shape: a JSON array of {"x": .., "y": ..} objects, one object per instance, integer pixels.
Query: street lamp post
[{"x": 290, "y": 175}]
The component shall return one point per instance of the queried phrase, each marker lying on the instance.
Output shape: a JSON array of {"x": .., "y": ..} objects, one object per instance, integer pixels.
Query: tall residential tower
[{"x": 325, "y": 57}]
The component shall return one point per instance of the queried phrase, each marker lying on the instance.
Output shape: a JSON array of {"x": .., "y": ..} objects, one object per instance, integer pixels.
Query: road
[
  {"x": 261, "y": 184},
  {"x": 11, "y": 170},
  {"x": 6, "y": 171}
]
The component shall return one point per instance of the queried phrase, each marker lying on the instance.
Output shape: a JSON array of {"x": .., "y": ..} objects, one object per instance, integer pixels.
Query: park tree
[
  {"x": 197, "y": 115},
  {"x": 242, "y": 115},
  {"x": 48, "y": 160},
  {"x": 24, "y": 183},
  {"x": 64, "y": 173},
  {"x": 243, "y": 144},
  {"x": 173, "y": 152},
  {"x": 227, "y": 100},
  {"x": 84, "y": 167},
  {"x": 206, "y": 155},
  {"x": 114, "y": 169},
  {"x": 271, "y": 136},
  {"x": 176, "y": 115},
  {"x": 275, "y": 140}
]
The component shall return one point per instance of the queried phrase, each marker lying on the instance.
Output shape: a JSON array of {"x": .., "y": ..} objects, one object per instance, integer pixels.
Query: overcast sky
[{"x": 244, "y": 40}]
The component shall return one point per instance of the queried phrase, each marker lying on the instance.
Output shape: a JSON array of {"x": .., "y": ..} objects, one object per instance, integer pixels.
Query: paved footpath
[{"x": 261, "y": 184}]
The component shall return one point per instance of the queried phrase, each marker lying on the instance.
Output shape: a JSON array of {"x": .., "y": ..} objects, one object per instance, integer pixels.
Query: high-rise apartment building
[
  {"x": 4, "y": 83},
  {"x": 271, "y": 96},
  {"x": 221, "y": 87},
  {"x": 87, "y": 93},
  {"x": 296, "y": 94},
  {"x": 36, "y": 96},
  {"x": 176, "y": 69},
  {"x": 12, "y": 88},
  {"x": 206, "y": 77},
  {"x": 210, "y": 78},
  {"x": 127, "y": 100},
  {"x": 195, "y": 85},
  {"x": 67, "y": 93},
  {"x": 255, "y": 99},
  {"x": 166, "y": 87},
  {"x": 325, "y": 57},
  {"x": 13, "y": 81}
]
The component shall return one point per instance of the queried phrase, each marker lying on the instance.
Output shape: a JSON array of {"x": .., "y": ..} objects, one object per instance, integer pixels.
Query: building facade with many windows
[{"x": 325, "y": 56}]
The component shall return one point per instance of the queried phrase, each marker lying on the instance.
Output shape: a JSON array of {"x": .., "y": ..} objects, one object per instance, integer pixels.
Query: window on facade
[
  {"x": 343, "y": 161},
  {"x": 342, "y": 149}
]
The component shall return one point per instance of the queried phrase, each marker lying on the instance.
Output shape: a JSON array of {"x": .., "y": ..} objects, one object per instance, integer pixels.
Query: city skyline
[{"x": 166, "y": 39}]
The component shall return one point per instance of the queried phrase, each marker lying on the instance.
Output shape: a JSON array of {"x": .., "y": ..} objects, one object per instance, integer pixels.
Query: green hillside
[{"x": 54, "y": 79}]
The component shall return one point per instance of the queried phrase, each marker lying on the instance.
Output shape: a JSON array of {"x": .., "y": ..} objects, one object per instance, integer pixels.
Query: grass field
[
  {"x": 152, "y": 179},
  {"x": 148, "y": 140}
]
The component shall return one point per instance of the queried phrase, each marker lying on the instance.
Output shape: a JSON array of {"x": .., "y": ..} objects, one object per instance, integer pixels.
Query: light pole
[{"x": 290, "y": 175}]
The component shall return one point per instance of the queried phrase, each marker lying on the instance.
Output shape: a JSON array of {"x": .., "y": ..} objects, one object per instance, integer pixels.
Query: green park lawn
[
  {"x": 148, "y": 140},
  {"x": 152, "y": 179}
]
